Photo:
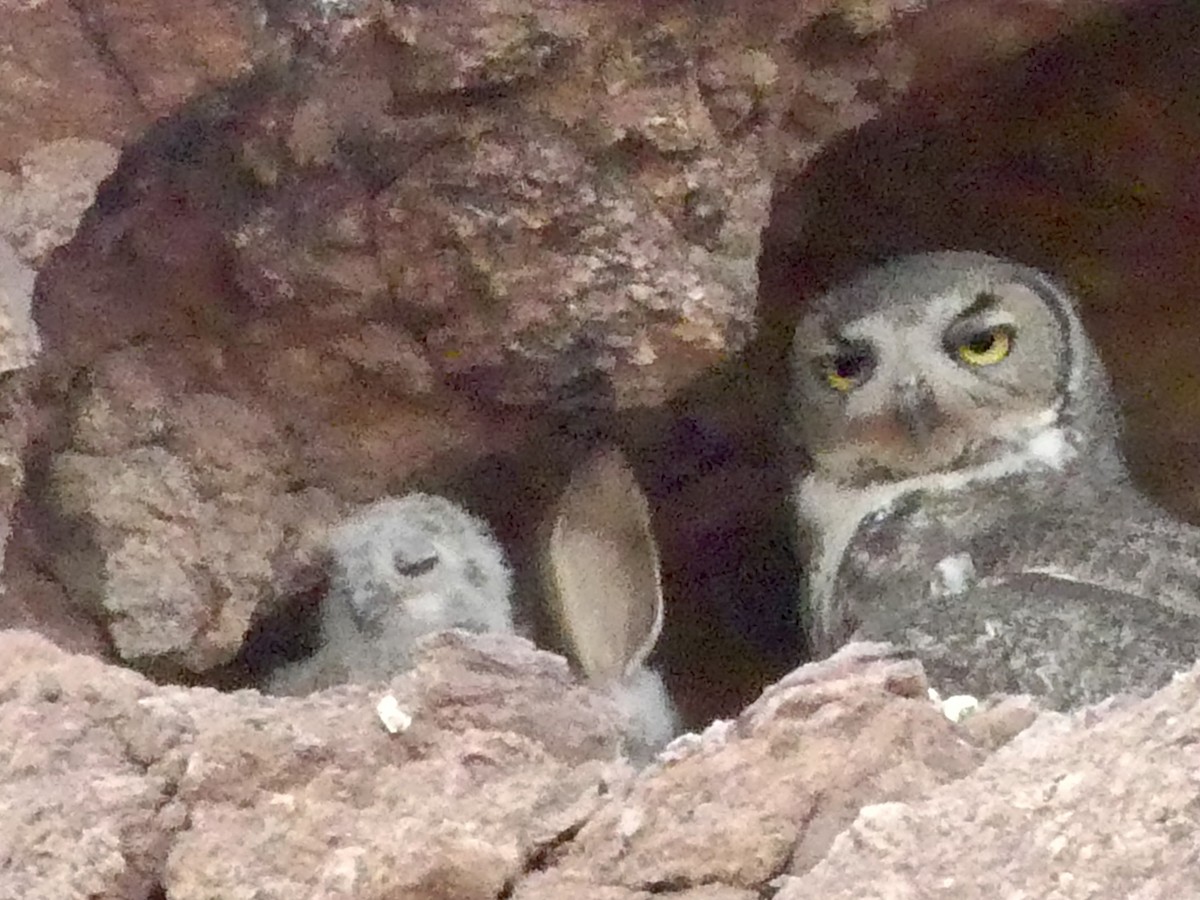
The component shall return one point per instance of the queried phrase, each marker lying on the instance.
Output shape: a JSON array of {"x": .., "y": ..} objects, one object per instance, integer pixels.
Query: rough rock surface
[
  {"x": 178, "y": 527},
  {"x": 1103, "y": 803},
  {"x": 103, "y": 70},
  {"x": 112, "y": 786},
  {"x": 508, "y": 782},
  {"x": 19, "y": 346},
  {"x": 751, "y": 799},
  {"x": 41, "y": 205}
]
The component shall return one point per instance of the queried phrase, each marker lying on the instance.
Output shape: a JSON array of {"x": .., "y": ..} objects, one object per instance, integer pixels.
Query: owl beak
[
  {"x": 367, "y": 613},
  {"x": 917, "y": 412}
]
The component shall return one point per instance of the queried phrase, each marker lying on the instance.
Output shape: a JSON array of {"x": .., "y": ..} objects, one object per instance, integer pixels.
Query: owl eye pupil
[
  {"x": 848, "y": 368},
  {"x": 849, "y": 365},
  {"x": 982, "y": 343}
]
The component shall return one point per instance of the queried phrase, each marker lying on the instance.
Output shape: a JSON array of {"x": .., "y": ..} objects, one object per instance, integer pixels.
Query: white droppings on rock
[
  {"x": 631, "y": 821},
  {"x": 394, "y": 719},
  {"x": 959, "y": 706}
]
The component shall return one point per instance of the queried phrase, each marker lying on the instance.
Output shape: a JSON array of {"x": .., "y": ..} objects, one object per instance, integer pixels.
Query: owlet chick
[{"x": 402, "y": 568}]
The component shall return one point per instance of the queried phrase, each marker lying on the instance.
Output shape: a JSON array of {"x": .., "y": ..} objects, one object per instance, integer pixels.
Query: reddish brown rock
[
  {"x": 1103, "y": 803},
  {"x": 767, "y": 794},
  {"x": 114, "y": 785},
  {"x": 103, "y": 71},
  {"x": 56, "y": 83},
  {"x": 168, "y": 53}
]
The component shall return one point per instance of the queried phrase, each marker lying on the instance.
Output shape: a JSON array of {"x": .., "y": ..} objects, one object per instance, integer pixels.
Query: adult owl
[{"x": 964, "y": 493}]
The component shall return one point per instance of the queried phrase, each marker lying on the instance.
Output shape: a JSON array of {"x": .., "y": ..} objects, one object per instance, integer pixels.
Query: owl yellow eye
[
  {"x": 846, "y": 371},
  {"x": 840, "y": 382},
  {"x": 987, "y": 347}
]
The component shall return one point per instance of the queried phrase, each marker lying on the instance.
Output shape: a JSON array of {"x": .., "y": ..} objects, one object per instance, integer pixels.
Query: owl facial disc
[{"x": 939, "y": 363}]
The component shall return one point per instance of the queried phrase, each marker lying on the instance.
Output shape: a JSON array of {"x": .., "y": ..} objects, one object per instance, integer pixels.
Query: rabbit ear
[{"x": 605, "y": 588}]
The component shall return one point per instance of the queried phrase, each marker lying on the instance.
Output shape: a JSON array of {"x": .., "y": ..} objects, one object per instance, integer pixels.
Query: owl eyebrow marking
[
  {"x": 838, "y": 341},
  {"x": 984, "y": 301}
]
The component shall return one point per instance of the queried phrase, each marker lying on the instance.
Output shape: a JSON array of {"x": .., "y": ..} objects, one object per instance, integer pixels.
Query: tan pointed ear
[{"x": 603, "y": 571}]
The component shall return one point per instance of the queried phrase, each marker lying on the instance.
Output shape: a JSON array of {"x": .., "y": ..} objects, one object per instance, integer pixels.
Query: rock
[
  {"x": 473, "y": 44},
  {"x": 1101, "y": 803},
  {"x": 106, "y": 70},
  {"x": 19, "y": 343},
  {"x": 19, "y": 347},
  {"x": 88, "y": 776},
  {"x": 176, "y": 577},
  {"x": 34, "y": 601},
  {"x": 542, "y": 889},
  {"x": 506, "y": 780},
  {"x": 168, "y": 54},
  {"x": 996, "y": 723},
  {"x": 42, "y": 206},
  {"x": 56, "y": 84},
  {"x": 180, "y": 525},
  {"x": 768, "y": 793},
  {"x": 113, "y": 785},
  {"x": 624, "y": 296},
  {"x": 178, "y": 573}
]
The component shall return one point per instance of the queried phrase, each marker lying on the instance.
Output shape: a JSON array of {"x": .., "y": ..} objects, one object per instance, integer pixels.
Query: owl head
[
  {"x": 946, "y": 362},
  {"x": 405, "y": 566}
]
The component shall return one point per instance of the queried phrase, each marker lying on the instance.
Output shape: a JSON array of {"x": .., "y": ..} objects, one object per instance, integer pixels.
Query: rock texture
[
  {"x": 178, "y": 524},
  {"x": 19, "y": 346},
  {"x": 751, "y": 799},
  {"x": 507, "y": 782},
  {"x": 42, "y": 204},
  {"x": 1101, "y": 804},
  {"x": 113, "y": 786},
  {"x": 101, "y": 70}
]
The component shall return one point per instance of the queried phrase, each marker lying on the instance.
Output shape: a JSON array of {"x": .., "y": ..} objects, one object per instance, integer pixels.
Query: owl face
[
  {"x": 419, "y": 563},
  {"x": 932, "y": 363}
]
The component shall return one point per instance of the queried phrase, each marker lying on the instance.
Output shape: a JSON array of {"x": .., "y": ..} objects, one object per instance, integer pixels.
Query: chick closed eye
[
  {"x": 412, "y": 568},
  {"x": 986, "y": 347}
]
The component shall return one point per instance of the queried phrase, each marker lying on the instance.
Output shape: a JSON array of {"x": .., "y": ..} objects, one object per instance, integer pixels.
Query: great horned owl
[
  {"x": 965, "y": 495},
  {"x": 401, "y": 568},
  {"x": 405, "y": 567}
]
